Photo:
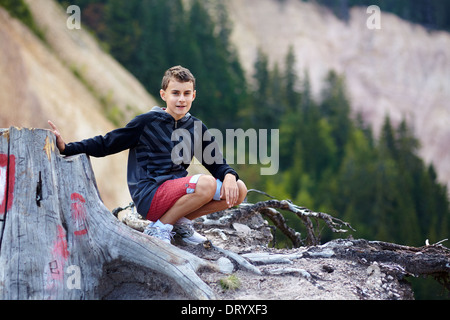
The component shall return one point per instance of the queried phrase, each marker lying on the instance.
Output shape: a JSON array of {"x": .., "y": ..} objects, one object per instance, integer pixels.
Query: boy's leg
[
  {"x": 215, "y": 206},
  {"x": 204, "y": 200},
  {"x": 200, "y": 202},
  {"x": 204, "y": 193}
]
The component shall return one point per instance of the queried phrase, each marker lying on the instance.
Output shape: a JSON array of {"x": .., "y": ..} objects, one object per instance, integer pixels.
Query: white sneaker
[
  {"x": 185, "y": 229},
  {"x": 160, "y": 231}
]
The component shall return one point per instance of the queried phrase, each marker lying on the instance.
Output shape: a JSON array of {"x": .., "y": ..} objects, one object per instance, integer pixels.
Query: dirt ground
[
  {"x": 310, "y": 278},
  {"x": 305, "y": 273}
]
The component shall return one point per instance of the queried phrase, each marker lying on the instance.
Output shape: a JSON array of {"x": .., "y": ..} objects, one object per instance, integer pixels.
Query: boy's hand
[
  {"x": 59, "y": 140},
  {"x": 230, "y": 190}
]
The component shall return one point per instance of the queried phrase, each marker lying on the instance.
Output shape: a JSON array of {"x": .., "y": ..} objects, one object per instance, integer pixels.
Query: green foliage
[
  {"x": 330, "y": 161},
  {"x": 19, "y": 9},
  {"x": 231, "y": 282}
]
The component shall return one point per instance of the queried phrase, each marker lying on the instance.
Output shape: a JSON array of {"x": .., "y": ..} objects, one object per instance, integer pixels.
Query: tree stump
[{"x": 59, "y": 241}]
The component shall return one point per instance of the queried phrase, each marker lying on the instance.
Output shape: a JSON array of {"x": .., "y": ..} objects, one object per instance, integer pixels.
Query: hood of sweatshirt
[{"x": 166, "y": 116}]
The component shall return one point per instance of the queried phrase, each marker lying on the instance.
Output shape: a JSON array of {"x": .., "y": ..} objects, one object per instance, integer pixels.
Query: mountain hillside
[
  {"x": 401, "y": 70},
  {"x": 69, "y": 80}
]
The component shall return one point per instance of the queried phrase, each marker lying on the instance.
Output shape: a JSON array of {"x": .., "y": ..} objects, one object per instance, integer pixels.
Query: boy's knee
[
  {"x": 206, "y": 187},
  {"x": 242, "y": 191}
]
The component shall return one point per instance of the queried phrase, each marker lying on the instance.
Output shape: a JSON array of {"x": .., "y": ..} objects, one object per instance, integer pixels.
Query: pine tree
[
  {"x": 291, "y": 81},
  {"x": 221, "y": 80},
  {"x": 335, "y": 107},
  {"x": 123, "y": 32},
  {"x": 262, "y": 81}
]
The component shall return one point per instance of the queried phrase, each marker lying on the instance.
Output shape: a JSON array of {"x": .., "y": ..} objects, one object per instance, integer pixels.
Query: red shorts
[{"x": 169, "y": 193}]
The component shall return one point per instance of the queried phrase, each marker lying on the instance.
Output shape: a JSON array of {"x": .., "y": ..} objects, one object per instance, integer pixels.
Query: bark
[{"x": 58, "y": 240}]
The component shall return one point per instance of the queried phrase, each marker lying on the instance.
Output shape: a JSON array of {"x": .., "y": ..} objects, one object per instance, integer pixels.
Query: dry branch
[{"x": 268, "y": 209}]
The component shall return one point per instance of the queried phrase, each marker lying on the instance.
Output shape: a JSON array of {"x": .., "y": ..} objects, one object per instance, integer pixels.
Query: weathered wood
[{"x": 58, "y": 240}]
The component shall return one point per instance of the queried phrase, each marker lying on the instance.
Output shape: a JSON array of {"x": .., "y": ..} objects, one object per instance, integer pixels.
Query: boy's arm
[
  {"x": 101, "y": 146},
  {"x": 230, "y": 190}
]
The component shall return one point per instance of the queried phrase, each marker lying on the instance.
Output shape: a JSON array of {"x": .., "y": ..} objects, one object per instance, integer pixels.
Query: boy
[{"x": 157, "y": 180}]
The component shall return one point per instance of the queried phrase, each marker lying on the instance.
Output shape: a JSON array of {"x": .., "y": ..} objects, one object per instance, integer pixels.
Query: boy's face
[{"x": 178, "y": 97}]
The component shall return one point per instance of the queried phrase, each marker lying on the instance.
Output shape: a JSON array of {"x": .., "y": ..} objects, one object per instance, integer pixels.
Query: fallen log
[{"x": 58, "y": 240}]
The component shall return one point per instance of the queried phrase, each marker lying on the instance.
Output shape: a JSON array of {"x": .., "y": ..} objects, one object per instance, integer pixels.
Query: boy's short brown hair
[{"x": 178, "y": 73}]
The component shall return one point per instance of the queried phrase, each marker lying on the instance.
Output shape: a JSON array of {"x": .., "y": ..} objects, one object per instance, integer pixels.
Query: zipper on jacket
[{"x": 176, "y": 124}]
